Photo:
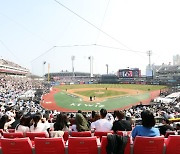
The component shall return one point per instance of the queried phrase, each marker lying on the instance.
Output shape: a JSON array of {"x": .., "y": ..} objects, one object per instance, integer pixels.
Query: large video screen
[{"x": 129, "y": 73}]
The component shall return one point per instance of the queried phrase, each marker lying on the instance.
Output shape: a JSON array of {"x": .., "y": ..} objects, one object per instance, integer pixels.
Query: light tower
[
  {"x": 91, "y": 65},
  {"x": 149, "y": 70},
  {"x": 44, "y": 62},
  {"x": 149, "y": 53},
  {"x": 107, "y": 68},
  {"x": 73, "y": 58}
]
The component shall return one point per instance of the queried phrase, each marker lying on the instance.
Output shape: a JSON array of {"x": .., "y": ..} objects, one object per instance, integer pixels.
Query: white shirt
[
  {"x": 40, "y": 128},
  {"x": 102, "y": 125},
  {"x": 22, "y": 128}
]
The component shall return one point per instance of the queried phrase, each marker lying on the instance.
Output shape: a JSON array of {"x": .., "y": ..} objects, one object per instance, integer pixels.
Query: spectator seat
[
  {"x": 32, "y": 135},
  {"x": 100, "y": 134},
  {"x": 173, "y": 144},
  {"x": 169, "y": 133},
  {"x": 82, "y": 145},
  {"x": 81, "y": 134},
  {"x": 104, "y": 143},
  {"x": 49, "y": 145},
  {"x": 13, "y": 135},
  {"x": 16, "y": 146},
  {"x": 11, "y": 130},
  {"x": 148, "y": 145}
]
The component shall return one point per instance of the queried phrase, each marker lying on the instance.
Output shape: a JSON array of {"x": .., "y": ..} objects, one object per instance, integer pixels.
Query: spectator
[
  {"x": 147, "y": 127},
  {"x": 81, "y": 123},
  {"x": 61, "y": 123},
  {"x": 103, "y": 124},
  {"x": 121, "y": 124},
  {"x": 96, "y": 117},
  {"x": 165, "y": 127},
  {"x": 5, "y": 122},
  {"x": 110, "y": 118},
  {"x": 23, "y": 126},
  {"x": 17, "y": 119},
  {"x": 45, "y": 120},
  {"x": 38, "y": 126}
]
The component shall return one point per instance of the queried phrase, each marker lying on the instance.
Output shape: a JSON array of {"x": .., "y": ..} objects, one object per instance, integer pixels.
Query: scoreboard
[{"x": 129, "y": 73}]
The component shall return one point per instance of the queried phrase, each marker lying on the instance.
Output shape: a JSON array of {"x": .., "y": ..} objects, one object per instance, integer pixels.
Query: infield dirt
[{"x": 98, "y": 99}]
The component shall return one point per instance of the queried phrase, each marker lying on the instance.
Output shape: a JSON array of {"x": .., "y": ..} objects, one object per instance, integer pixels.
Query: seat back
[
  {"x": 66, "y": 135},
  {"x": 82, "y": 145},
  {"x": 13, "y": 135},
  {"x": 169, "y": 133},
  {"x": 120, "y": 133},
  {"x": 11, "y": 130},
  {"x": 148, "y": 145},
  {"x": 32, "y": 135},
  {"x": 100, "y": 134},
  {"x": 104, "y": 143},
  {"x": 56, "y": 133},
  {"x": 81, "y": 134},
  {"x": 49, "y": 145},
  {"x": 124, "y": 133},
  {"x": 173, "y": 144},
  {"x": 16, "y": 146}
]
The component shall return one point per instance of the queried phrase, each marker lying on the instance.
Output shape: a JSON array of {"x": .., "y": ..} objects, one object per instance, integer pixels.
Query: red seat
[
  {"x": 104, "y": 143},
  {"x": 11, "y": 130},
  {"x": 16, "y": 146},
  {"x": 81, "y": 134},
  {"x": 13, "y": 135},
  {"x": 173, "y": 144},
  {"x": 148, "y": 145},
  {"x": 32, "y": 135},
  {"x": 66, "y": 135},
  {"x": 82, "y": 145},
  {"x": 120, "y": 133},
  {"x": 169, "y": 133},
  {"x": 124, "y": 133},
  {"x": 49, "y": 145},
  {"x": 100, "y": 134}
]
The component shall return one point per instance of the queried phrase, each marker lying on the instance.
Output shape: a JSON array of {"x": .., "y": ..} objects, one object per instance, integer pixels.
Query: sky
[{"x": 114, "y": 32}]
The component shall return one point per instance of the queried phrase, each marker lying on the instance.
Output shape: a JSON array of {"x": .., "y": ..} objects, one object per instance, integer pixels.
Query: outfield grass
[
  {"x": 124, "y": 86},
  {"x": 100, "y": 93}
]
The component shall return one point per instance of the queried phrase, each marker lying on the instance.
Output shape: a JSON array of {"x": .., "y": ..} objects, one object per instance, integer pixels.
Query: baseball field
[{"x": 90, "y": 97}]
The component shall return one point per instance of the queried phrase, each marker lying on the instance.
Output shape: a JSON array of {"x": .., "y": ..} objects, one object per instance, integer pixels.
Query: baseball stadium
[
  {"x": 97, "y": 96},
  {"x": 89, "y": 77}
]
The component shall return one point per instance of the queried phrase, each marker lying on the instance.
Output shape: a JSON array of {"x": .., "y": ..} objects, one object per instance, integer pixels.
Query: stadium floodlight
[
  {"x": 107, "y": 67},
  {"x": 91, "y": 65},
  {"x": 44, "y": 62},
  {"x": 149, "y": 53},
  {"x": 73, "y": 58}
]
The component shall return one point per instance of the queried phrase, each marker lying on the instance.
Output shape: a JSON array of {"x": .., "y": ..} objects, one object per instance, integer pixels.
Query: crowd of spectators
[{"x": 26, "y": 115}]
